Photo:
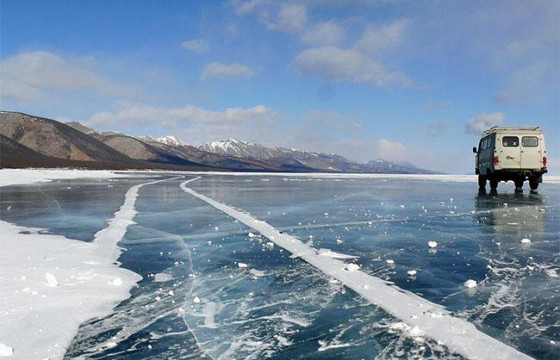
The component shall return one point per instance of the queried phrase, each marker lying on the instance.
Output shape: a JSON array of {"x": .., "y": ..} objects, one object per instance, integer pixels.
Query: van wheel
[
  {"x": 534, "y": 183},
  {"x": 481, "y": 181},
  {"x": 493, "y": 183}
]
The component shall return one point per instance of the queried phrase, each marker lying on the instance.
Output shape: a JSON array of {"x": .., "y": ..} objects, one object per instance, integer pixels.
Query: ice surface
[
  {"x": 410, "y": 308},
  {"x": 195, "y": 302}
]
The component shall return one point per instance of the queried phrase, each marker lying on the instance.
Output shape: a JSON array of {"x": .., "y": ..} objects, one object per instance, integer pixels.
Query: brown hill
[{"x": 54, "y": 139}]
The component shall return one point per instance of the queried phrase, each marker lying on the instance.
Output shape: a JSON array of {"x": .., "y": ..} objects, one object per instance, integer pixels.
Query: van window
[
  {"x": 486, "y": 143},
  {"x": 530, "y": 141},
  {"x": 510, "y": 141}
]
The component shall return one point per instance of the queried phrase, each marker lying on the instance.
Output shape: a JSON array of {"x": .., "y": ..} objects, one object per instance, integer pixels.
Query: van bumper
[{"x": 515, "y": 174}]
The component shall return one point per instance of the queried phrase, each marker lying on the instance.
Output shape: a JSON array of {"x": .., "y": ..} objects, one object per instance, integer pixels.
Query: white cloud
[
  {"x": 392, "y": 150},
  {"x": 190, "y": 123},
  {"x": 378, "y": 40},
  {"x": 438, "y": 128},
  {"x": 347, "y": 64},
  {"x": 28, "y": 77},
  {"x": 217, "y": 70},
  {"x": 478, "y": 124},
  {"x": 247, "y": 7},
  {"x": 198, "y": 46},
  {"x": 325, "y": 33},
  {"x": 291, "y": 18},
  {"x": 142, "y": 114}
]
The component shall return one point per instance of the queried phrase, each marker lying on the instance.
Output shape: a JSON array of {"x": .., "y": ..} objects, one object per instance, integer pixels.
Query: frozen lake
[{"x": 212, "y": 287}]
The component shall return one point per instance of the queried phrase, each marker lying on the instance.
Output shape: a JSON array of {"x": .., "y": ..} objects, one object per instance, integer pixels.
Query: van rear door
[
  {"x": 531, "y": 152},
  {"x": 510, "y": 152}
]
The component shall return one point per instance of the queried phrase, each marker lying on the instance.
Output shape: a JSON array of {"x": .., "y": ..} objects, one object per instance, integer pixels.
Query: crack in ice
[{"x": 458, "y": 335}]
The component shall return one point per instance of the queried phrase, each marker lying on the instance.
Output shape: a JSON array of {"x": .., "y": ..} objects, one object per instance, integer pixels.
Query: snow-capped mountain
[
  {"x": 243, "y": 149},
  {"x": 304, "y": 159},
  {"x": 171, "y": 141}
]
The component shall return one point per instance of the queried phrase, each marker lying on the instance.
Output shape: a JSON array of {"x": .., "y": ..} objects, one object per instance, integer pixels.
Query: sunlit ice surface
[{"x": 214, "y": 288}]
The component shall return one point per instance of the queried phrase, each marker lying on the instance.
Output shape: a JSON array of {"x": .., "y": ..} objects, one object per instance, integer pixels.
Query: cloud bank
[{"x": 478, "y": 124}]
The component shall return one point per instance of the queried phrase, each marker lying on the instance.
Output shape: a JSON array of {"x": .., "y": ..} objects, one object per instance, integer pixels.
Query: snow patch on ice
[
  {"x": 53, "y": 267},
  {"x": 29, "y": 176},
  {"x": 51, "y": 280},
  {"x": 162, "y": 277},
  {"x": 5, "y": 350}
]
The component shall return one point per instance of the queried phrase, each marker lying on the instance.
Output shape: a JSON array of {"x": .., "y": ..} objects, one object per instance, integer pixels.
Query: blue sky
[{"x": 399, "y": 80}]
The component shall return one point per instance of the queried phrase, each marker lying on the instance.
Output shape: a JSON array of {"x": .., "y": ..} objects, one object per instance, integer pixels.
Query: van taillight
[
  {"x": 544, "y": 161},
  {"x": 496, "y": 160}
]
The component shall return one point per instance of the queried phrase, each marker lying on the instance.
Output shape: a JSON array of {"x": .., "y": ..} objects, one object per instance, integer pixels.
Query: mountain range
[{"x": 32, "y": 141}]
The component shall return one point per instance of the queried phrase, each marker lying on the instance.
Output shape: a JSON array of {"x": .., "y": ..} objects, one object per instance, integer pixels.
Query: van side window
[
  {"x": 530, "y": 141},
  {"x": 510, "y": 141}
]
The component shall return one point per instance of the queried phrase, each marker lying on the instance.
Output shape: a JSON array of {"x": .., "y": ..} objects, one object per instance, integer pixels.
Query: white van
[{"x": 511, "y": 153}]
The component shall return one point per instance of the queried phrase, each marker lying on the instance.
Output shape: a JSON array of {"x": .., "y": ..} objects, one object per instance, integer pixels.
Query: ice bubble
[
  {"x": 352, "y": 267},
  {"x": 51, "y": 280},
  {"x": 412, "y": 273},
  {"x": 171, "y": 293},
  {"x": 117, "y": 282},
  {"x": 525, "y": 241},
  {"x": 251, "y": 235},
  {"x": 270, "y": 245},
  {"x": 158, "y": 298},
  {"x": 469, "y": 284},
  {"x": 432, "y": 244},
  {"x": 402, "y": 206},
  {"x": 390, "y": 262},
  {"x": 242, "y": 265}
]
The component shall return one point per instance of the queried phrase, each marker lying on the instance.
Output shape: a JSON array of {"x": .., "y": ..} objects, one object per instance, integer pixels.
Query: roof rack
[
  {"x": 516, "y": 127},
  {"x": 493, "y": 128}
]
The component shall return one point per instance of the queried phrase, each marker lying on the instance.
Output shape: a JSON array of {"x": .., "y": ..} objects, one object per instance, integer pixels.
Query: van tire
[
  {"x": 518, "y": 183},
  {"x": 534, "y": 183},
  {"x": 493, "y": 183},
  {"x": 481, "y": 181}
]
